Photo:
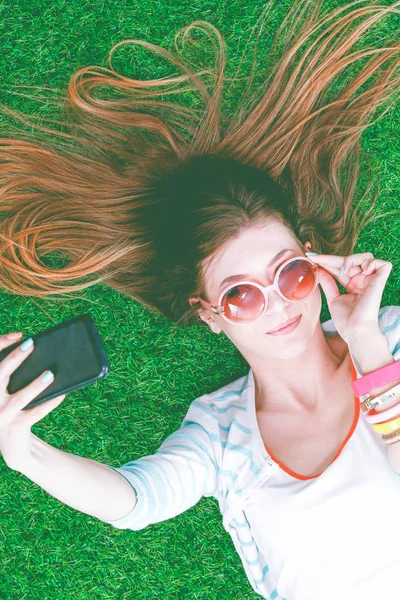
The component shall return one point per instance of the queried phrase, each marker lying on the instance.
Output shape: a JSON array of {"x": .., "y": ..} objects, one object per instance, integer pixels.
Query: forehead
[{"x": 248, "y": 253}]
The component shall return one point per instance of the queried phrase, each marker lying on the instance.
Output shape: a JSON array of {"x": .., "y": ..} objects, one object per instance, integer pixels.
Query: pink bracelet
[
  {"x": 376, "y": 379},
  {"x": 380, "y": 417}
]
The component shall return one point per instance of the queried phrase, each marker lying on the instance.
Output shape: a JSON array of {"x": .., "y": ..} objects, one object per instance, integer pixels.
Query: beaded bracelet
[{"x": 392, "y": 438}]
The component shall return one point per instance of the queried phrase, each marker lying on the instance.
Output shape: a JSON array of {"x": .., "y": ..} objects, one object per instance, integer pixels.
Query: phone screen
[{"x": 72, "y": 351}]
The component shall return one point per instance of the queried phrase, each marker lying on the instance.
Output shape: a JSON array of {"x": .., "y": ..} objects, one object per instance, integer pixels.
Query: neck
[{"x": 301, "y": 382}]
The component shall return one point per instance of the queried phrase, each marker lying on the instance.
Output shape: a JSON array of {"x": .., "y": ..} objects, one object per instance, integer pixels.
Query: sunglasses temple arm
[{"x": 207, "y": 304}]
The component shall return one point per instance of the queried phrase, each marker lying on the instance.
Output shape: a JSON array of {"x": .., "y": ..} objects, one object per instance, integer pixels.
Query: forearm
[
  {"x": 371, "y": 353},
  {"x": 82, "y": 483}
]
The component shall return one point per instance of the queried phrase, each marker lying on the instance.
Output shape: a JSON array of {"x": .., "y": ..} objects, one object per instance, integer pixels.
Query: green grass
[{"x": 48, "y": 550}]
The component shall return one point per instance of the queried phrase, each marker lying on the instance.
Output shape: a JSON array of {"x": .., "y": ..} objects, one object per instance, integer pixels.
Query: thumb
[
  {"x": 329, "y": 285},
  {"x": 39, "y": 412}
]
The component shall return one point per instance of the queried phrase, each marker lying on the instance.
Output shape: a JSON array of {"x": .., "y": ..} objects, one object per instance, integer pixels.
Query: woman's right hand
[{"x": 16, "y": 438}]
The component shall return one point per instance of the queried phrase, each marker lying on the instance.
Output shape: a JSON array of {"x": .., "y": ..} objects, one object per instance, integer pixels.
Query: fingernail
[
  {"x": 48, "y": 376},
  {"x": 312, "y": 254},
  {"x": 27, "y": 344},
  {"x": 341, "y": 271}
]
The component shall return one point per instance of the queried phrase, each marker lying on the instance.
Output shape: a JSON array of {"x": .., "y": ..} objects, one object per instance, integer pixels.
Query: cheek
[
  {"x": 244, "y": 336},
  {"x": 235, "y": 333},
  {"x": 312, "y": 306}
]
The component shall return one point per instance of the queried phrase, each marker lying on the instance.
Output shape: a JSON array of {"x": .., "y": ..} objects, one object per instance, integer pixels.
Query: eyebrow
[{"x": 244, "y": 275}]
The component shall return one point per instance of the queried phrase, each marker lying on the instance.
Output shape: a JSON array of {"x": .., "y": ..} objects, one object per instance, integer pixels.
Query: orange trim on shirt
[{"x": 353, "y": 426}]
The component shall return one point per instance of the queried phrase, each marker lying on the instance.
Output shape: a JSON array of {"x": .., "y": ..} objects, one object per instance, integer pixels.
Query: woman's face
[{"x": 250, "y": 254}]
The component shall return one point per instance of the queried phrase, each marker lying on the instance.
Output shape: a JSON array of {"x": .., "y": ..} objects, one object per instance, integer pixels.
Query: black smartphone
[{"x": 72, "y": 350}]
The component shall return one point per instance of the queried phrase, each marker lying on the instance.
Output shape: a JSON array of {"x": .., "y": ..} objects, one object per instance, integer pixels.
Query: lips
[{"x": 284, "y": 324}]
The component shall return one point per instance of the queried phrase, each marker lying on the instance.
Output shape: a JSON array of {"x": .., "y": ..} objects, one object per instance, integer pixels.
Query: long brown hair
[{"x": 135, "y": 191}]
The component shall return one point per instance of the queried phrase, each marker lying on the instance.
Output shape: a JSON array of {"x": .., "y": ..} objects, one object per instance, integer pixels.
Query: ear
[{"x": 207, "y": 316}]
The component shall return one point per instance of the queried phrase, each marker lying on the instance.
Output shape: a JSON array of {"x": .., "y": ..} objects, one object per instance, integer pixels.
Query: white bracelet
[
  {"x": 385, "y": 415},
  {"x": 381, "y": 399}
]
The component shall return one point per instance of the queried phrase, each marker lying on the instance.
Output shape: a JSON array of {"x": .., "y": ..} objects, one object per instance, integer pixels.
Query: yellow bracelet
[{"x": 387, "y": 427}]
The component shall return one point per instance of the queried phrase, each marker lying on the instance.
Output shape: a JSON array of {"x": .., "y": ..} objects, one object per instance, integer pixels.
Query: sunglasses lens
[
  {"x": 297, "y": 280},
  {"x": 244, "y": 303}
]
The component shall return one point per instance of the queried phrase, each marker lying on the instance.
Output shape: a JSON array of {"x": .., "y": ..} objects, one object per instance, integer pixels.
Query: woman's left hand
[{"x": 364, "y": 278}]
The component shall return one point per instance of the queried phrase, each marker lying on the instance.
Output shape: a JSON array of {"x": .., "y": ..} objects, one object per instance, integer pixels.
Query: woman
[{"x": 193, "y": 218}]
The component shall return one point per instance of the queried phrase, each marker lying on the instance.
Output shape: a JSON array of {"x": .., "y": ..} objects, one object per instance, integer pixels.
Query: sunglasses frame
[{"x": 219, "y": 309}]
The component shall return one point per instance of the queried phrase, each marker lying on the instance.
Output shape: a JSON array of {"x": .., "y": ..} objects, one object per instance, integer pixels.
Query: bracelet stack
[{"x": 386, "y": 422}]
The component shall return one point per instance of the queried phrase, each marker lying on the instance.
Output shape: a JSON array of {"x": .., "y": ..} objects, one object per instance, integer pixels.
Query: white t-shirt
[{"x": 335, "y": 536}]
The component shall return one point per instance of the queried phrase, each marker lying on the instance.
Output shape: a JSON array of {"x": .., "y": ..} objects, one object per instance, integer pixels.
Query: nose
[{"x": 274, "y": 303}]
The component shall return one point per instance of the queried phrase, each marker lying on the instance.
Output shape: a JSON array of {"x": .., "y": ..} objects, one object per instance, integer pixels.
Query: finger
[
  {"x": 374, "y": 290},
  {"x": 358, "y": 276},
  {"x": 37, "y": 413},
  {"x": 11, "y": 362},
  {"x": 355, "y": 260},
  {"x": 21, "y": 398},
  {"x": 367, "y": 267},
  {"x": 12, "y": 336},
  {"x": 339, "y": 271},
  {"x": 334, "y": 263},
  {"x": 370, "y": 268},
  {"x": 8, "y": 339}
]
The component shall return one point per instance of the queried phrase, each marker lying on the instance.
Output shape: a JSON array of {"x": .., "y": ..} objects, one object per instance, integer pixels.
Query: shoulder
[
  {"x": 389, "y": 325},
  {"x": 231, "y": 392},
  {"x": 215, "y": 406},
  {"x": 390, "y": 316}
]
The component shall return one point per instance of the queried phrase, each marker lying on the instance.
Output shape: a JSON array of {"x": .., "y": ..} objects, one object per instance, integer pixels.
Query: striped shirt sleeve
[{"x": 184, "y": 468}]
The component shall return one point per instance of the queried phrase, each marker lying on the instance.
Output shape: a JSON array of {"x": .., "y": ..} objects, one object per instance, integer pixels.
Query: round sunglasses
[{"x": 244, "y": 302}]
